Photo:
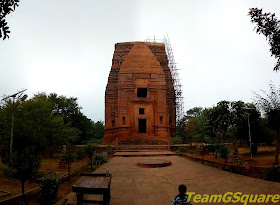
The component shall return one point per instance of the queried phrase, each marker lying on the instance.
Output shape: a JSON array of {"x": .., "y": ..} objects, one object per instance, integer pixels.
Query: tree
[
  {"x": 70, "y": 111},
  {"x": 194, "y": 112},
  {"x": 98, "y": 129},
  {"x": 89, "y": 150},
  {"x": 196, "y": 128},
  {"x": 69, "y": 158},
  {"x": 224, "y": 154},
  {"x": 238, "y": 122},
  {"x": 43, "y": 122},
  {"x": 212, "y": 149},
  {"x": 6, "y": 7},
  {"x": 268, "y": 25},
  {"x": 270, "y": 104},
  {"x": 181, "y": 127},
  {"x": 185, "y": 127},
  {"x": 24, "y": 166},
  {"x": 5, "y": 128}
]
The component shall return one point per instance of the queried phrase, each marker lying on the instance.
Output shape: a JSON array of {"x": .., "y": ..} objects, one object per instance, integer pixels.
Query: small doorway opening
[{"x": 142, "y": 125}]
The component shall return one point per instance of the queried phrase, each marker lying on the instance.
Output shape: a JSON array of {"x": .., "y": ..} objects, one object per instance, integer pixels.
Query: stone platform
[{"x": 152, "y": 163}]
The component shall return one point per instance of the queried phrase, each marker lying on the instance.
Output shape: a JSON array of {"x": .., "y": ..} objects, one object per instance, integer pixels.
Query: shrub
[
  {"x": 110, "y": 149},
  {"x": 99, "y": 159},
  {"x": 182, "y": 148},
  {"x": 178, "y": 153},
  {"x": 211, "y": 148},
  {"x": 224, "y": 154},
  {"x": 192, "y": 151},
  {"x": 175, "y": 140},
  {"x": 49, "y": 188},
  {"x": 272, "y": 174},
  {"x": 254, "y": 148}
]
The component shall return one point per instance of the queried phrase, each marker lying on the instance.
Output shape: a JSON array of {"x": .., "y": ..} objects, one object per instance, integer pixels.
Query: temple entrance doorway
[{"x": 142, "y": 125}]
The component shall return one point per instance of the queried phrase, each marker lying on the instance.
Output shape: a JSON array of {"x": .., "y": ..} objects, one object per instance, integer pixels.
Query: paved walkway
[{"x": 133, "y": 185}]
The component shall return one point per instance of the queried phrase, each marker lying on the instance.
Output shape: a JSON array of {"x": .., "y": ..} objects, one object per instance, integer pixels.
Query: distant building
[{"x": 139, "y": 97}]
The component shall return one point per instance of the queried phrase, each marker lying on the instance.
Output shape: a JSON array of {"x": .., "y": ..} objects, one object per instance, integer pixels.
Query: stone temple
[{"x": 139, "y": 97}]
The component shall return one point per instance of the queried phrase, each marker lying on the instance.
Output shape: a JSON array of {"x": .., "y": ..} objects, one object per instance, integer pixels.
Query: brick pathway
[{"x": 158, "y": 186}]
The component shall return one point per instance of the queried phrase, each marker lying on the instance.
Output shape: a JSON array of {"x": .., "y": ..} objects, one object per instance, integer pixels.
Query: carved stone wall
[{"x": 139, "y": 97}]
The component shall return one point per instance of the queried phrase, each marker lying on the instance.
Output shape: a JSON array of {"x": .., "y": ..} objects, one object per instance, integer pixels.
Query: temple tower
[{"x": 139, "y": 97}]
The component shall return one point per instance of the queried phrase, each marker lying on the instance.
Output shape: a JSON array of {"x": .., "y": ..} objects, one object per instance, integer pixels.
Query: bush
[
  {"x": 254, "y": 148},
  {"x": 178, "y": 153},
  {"x": 211, "y": 148},
  {"x": 182, "y": 148},
  {"x": 49, "y": 188},
  {"x": 109, "y": 148},
  {"x": 175, "y": 140},
  {"x": 192, "y": 151},
  {"x": 272, "y": 174},
  {"x": 223, "y": 152},
  {"x": 99, "y": 159},
  {"x": 80, "y": 154}
]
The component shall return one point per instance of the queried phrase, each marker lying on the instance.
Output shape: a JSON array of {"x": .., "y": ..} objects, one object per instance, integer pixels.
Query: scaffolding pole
[{"x": 179, "y": 101}]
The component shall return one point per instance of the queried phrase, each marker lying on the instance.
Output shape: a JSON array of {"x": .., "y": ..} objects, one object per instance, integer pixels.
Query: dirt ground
[
  {"x": 48, "y": 165},
  {"x": 264, "y": 158}
]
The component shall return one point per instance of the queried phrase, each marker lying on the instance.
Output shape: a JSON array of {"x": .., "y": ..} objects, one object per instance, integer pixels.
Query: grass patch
[
  {"x": 192, "y": 151},
  {"x": 261, "y": 150}
]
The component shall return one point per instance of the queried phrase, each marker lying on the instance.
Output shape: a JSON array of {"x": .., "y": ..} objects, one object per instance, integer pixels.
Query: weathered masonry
[{"x": 139, "y": 97}]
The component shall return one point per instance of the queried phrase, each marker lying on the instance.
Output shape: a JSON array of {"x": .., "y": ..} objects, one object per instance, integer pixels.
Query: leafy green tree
[
  {"x": 195, "y": 129},
  {"x": 212, "y": 149},
  {"x": 40, "y": 122},
  {"x": 194, "y": 112},
  {"x": 181, "y": 129},
  {"x": 228, "y": 122},
  {"x": 6, "y": 7},
  {"x": 98, "y": 128},
  {"x": 270, "y": 104},
  {"x": 238, "y": 122},
  {"x": 268, "y": 25},
  {"x": 5, "y": 128},
  {"x": 212, "y": 128},
  {"x": 69, "y": 158},
  {"x": 24, "y": 166},
  {"x": 187, "y": 128},
  {"x": 70, "y": 111},
  {"x": 89, "y": 150},
  {"x": 265, "y": 133},
  {"x": 224, "y": 152}
]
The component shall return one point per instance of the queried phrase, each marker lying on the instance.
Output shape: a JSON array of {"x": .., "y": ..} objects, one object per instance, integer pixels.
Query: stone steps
[{"x": 142, "y": 147}]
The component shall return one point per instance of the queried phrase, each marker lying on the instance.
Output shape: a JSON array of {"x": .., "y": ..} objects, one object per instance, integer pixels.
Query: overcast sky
[{"x": 67, "y": 46}]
